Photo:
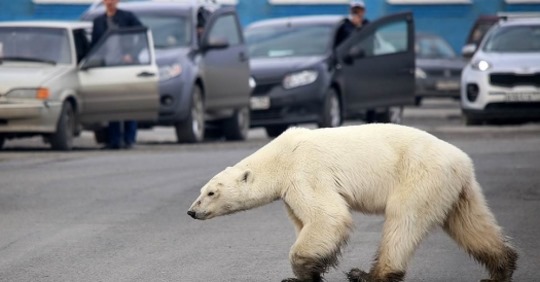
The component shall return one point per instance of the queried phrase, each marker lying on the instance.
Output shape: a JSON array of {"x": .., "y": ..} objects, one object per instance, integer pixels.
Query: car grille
[
  {"x": 533, "y": 106},
  {"x": 511, "y": 79},
  {"x": 265, "y": 86},
  {"x": 445, "y": 73}
]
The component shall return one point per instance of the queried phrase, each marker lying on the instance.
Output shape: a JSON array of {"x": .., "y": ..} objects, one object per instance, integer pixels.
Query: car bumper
[
  {"x": 506, "y": 111},
  {"x": 172, "y": 104},
  {"x": 28, "y": 116},
  {"x": 288, "y": 106},
  {"x": 496, "y": 102},
  {"x": 438, "y": 87}
]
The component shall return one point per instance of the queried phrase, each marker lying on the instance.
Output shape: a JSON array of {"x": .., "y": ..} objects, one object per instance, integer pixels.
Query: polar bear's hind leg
[{"x": 472, "y": 225}]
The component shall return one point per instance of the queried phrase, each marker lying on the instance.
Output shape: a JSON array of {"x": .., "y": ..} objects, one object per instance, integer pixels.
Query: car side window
[
  {"x": 82, "y": 44},
  {"x": 225, "y": 27},
  {"x": 387, "y": 39},
  {"x": 121, "y": 49}
]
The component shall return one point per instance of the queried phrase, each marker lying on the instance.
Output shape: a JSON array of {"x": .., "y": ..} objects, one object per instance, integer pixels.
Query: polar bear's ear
[{"x": 246, "y": 176}]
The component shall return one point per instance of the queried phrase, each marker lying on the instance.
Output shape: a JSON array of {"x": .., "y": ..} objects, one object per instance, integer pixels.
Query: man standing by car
[
  {"x": 355, "y": 21},
  {"x": 114, "y": 18}
]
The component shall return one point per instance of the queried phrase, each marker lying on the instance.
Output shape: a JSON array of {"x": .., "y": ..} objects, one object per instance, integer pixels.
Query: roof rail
[{"x": 517, "y": 15}]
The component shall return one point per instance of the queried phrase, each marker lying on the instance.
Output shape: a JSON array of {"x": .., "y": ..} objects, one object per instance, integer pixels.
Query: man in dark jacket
[
  {"x": 355, "y": 21},
  {"x": 114, "y": 18}
]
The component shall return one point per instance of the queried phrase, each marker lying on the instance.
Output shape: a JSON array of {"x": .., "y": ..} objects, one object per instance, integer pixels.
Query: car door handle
[{"x": 146, "y": 74}]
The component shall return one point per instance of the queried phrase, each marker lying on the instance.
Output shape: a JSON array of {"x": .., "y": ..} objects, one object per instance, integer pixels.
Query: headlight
[
  {"x": 39, "y": 93},
  {"x": 169, "y": 71},
  {"x": 252, "y": 83},
  {"x": 299, "y": 79},
  {"x": 420, "y": 73},
  {"x": 481, "y": 65}
]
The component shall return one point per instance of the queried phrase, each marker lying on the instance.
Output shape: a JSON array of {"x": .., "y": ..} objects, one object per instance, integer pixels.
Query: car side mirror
[
  {"x": 468, "y": 50},
  {"x": 353, "y": 54},
  {"x": 93, "y": 63},
  {"x": 216, "y": 43}
]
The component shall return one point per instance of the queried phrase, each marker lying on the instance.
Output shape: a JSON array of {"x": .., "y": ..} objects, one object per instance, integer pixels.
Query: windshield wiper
[{"x": 27, "y": 59}]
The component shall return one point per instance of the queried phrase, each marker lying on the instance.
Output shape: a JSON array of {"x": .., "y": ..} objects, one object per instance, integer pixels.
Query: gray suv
[{"x": 204, "y": 77}]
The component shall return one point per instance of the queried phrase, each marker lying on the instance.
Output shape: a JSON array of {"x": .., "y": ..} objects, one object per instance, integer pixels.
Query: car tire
[
  {"x": 192, "y": 129},
  {"x": 331, "y": 115},
  {"x": 275, "y": 130},
  {"x": 2, "y": 141},
  {"x": 236, "y": 128},
  {"x": 62, "y": 139}
]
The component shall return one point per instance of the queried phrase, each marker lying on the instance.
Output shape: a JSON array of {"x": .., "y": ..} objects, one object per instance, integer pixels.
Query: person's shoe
[{"x": 128, "y": 146}]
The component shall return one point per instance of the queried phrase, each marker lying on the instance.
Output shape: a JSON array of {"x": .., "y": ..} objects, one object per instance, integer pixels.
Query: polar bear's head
[{"x": 225, "y": 193}]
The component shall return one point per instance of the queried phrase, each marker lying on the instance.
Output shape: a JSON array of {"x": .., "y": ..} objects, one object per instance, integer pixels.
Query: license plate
[
  {"x": 522, "y": 96},
  {"x": 447, "y": 85},
  {"x": 260, "y": 103}
]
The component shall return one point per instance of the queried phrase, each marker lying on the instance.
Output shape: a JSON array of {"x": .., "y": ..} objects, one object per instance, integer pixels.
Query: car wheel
[
  {"x": 62, "y": 139},
  {"x": 101, "y": 135},
  {"x": 331, "y": 115},
  {"x": 191, "y": 130},
  {"x": 275, "y": 130},
  {"x": 237, "y": 126},
  {"x": 2, "y": 141}
]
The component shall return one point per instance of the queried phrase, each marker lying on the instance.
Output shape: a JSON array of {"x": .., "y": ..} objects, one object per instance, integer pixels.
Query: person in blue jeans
[{"x": 121, "y": 134}]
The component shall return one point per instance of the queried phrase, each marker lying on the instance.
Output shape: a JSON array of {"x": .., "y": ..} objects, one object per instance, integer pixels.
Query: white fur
[{"x": 415, "y": 179}]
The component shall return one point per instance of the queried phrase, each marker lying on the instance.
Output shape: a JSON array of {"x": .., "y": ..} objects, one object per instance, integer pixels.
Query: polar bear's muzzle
[
  {"x": 192, "y": 214},
  {"x": 199, "y": 215}
]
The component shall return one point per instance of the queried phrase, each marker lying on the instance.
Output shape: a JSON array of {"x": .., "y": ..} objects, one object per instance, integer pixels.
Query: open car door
[
  {"x": 378, "y": 62},
  {"x": 225, "y": 61},
  {"x": 119, "y": 78}
]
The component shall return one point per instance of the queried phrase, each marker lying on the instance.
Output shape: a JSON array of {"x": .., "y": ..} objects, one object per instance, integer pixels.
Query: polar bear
[{"x": 414, "y": 179}]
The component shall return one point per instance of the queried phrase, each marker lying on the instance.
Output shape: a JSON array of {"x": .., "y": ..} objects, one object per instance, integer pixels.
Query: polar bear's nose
[{"x": 191, "y": 213}]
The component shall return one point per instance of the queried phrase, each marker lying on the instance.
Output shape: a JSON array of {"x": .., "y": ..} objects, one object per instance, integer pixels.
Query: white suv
[{"x": 501, "y": 84}]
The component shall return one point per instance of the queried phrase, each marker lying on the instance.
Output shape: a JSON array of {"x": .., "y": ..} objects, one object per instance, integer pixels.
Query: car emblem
[{"x": 447, "y": 73}]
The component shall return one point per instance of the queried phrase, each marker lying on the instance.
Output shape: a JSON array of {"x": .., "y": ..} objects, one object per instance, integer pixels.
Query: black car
[
  {"x": 438, "y": 68},
  {"x": 302, "y": 78},
  {"x": 204, "y": 81}
]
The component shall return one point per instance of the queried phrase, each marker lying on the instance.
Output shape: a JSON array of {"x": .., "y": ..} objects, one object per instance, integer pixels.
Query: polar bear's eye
[{"x": 210, "y": 194}]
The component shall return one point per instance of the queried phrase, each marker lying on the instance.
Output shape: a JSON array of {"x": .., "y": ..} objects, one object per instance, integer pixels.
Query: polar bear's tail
[{"x": 472, "y": 225}]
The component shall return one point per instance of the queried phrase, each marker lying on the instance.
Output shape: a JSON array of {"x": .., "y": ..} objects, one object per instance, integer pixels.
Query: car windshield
[
  {"x": 34, "y": 44},
  {"x": 433, "y": 47},
  {"x": 514, "y": 39},
  {"x": 168, "y": 31},
  {"x": 288, "y": 41}
]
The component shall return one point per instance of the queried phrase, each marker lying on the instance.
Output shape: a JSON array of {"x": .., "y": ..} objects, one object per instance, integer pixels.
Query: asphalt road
[{"x": 92, "y": 215}]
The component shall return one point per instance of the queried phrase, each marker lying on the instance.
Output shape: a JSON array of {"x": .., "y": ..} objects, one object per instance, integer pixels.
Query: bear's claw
[{"x": 357, "y": 275}]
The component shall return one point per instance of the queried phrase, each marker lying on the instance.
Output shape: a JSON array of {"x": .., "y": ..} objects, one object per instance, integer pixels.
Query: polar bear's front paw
[{"x": 357, "y": 275}]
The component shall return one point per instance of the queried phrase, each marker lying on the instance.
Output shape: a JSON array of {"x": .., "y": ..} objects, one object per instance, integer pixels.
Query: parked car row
[
  {"x": 55, "y": 86},
  {"x": 274, "y": 74}
]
